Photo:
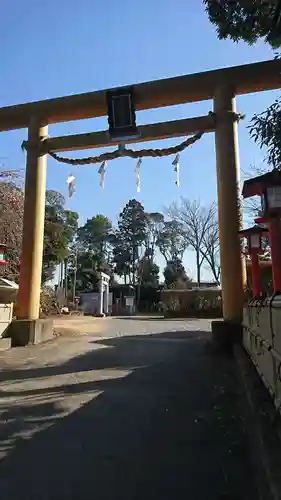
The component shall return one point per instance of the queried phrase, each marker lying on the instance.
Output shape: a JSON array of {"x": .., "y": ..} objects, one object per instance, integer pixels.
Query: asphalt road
[{"x": 145, "y": 410}]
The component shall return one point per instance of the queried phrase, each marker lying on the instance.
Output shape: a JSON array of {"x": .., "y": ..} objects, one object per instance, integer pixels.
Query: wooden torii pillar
[
  {"x": 233, "y": 265},
  {"x": 220, "y": 85},
  {"x": 33, "y": 224}
]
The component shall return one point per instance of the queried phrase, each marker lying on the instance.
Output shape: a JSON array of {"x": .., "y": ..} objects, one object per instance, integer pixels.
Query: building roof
[{"x": 256, "y": 185}]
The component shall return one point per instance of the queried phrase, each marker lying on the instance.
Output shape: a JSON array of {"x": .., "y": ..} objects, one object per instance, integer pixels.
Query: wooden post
[
  {"x": 233, "y": 269},
  {"x": 101, "y": 292},
  {"x": 256, "y": 277},
  {"x": 33, "y": 225},
  {"x": 275, "y": 244}
]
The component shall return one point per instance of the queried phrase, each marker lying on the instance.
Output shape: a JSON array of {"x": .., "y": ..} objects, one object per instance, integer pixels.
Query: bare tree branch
[
  {"x": 252, "y": 206},
  {"x": 210, "y": 248},
  {"x": 154, "y": 227},
  {"x": 200, "y": 227},
  {"x": 172, "y": 241}
]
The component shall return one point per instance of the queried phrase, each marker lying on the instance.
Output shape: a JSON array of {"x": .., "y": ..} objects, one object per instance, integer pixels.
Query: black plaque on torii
[{"x": 121, "y": 113}]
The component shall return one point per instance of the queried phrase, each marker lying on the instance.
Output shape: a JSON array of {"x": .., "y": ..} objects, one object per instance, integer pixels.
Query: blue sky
[{"x": 66, "y": 47}]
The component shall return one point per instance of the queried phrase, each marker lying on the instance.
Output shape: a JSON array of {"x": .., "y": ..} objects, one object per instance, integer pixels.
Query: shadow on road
[
  {"x": 152, "y": 318},
  {"x": 168, "y": 426}
]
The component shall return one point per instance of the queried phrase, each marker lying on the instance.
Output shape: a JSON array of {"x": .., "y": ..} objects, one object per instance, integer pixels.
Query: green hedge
[
  {"x": 192, "y": 313},
  {"x": 192, "y": 303}
]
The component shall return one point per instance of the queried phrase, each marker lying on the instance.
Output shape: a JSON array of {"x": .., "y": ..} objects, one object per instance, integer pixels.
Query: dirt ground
[{"x": 78, "y": 325}]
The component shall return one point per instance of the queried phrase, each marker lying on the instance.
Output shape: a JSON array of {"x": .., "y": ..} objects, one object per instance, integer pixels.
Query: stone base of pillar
[
  {"x": 225, "y": 334},
  {"x": 5, "y": 344},
  {"x": 23, "y": 331}
]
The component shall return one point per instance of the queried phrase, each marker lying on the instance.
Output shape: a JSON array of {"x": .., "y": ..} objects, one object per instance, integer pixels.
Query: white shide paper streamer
[
  {"x": 101, "y": 172},
  {"x": 138, "y": 165},
  {"x": 176, "y": 164},
  {"x": 71, "y": 185}
]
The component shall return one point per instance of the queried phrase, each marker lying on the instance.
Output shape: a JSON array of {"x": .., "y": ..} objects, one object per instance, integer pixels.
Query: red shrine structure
[{"x": 268, "y": 187}]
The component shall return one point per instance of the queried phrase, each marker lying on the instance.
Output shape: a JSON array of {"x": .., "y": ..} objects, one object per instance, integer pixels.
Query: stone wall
[{"x": 262, "y": 340}]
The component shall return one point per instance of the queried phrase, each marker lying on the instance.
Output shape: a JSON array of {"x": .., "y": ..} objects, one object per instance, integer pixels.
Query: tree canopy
[
  {"x": 91, "y": 252},
  {"x": 11, "y": 219},
  {"x": 154, "y": 225},
  {"x": 95, "y": 234},
  {"x": 60, "y": 226},
  {"x": 250, "y": 21},
  {"x": 246, "y": 20},
  {"x": 148, "y": 273},
  {"x": 60, "y": 229},
  {"x": 129, "y": 239},
  {"x": 175, "y": 274},
  {"x": 265, "y": 129},
  {"x": 172, "y": 240}
]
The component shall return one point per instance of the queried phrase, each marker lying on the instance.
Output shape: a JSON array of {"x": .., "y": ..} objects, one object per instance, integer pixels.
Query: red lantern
[
  {"x": 268, "y": 187},
  {"x": 253, "y": 235},
  {"x": 3, "y": 256}
]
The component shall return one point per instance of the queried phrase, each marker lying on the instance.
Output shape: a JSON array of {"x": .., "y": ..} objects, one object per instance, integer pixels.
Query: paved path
[{"x": 143, "y": 410}]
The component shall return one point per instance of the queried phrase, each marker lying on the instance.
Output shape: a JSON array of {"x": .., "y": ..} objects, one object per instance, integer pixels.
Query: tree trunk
[
  {"x": 134, "y": 264},
  {"x": 198, "y": 267},
  {"x": 215, "y": 269}
]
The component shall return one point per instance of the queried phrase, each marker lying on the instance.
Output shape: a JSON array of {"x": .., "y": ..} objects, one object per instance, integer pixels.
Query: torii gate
[{"x": 220, "y": 85}]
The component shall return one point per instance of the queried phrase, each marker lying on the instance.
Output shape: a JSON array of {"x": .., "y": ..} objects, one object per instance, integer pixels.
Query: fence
[{"x": 262, "y": 340}]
